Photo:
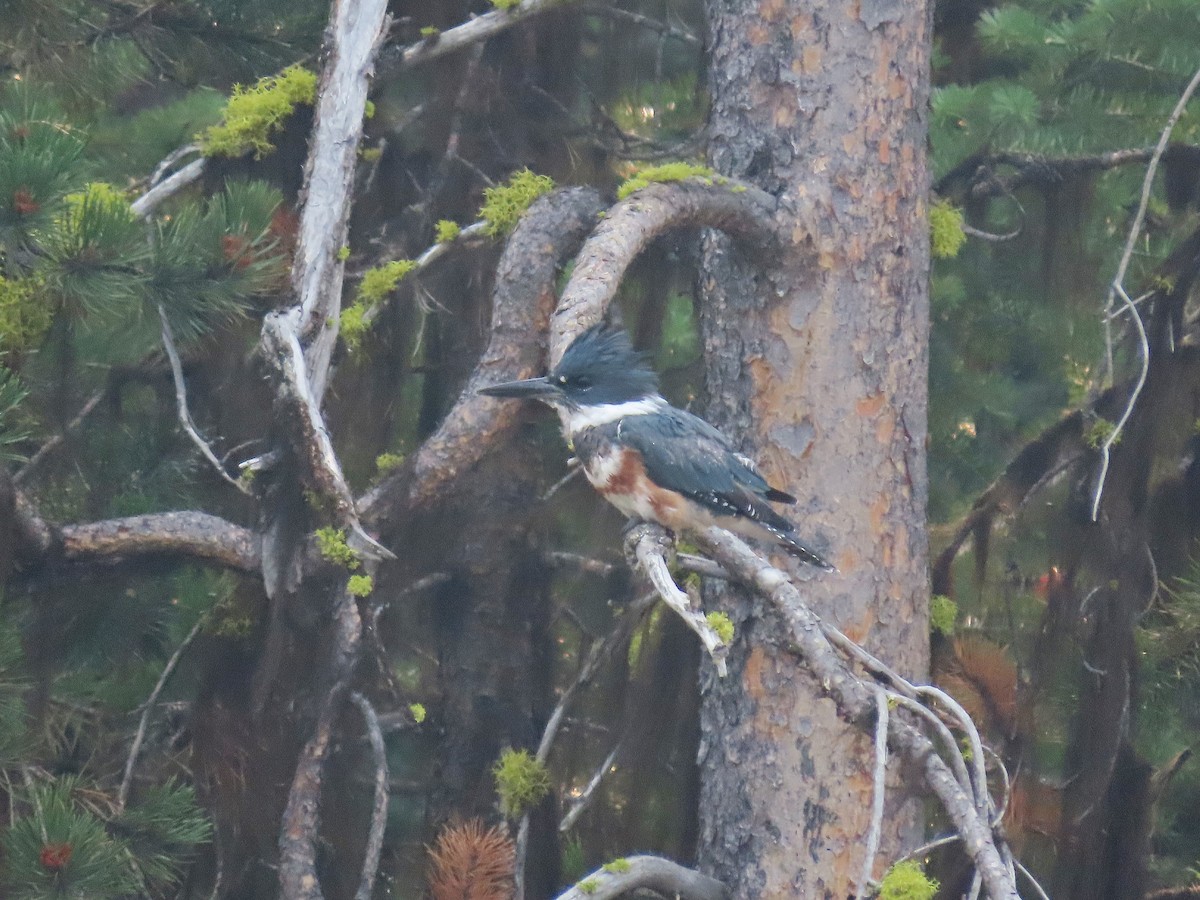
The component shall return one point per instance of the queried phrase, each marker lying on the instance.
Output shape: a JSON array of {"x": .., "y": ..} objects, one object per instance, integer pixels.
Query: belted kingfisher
[{"x": 650, "y": 460}]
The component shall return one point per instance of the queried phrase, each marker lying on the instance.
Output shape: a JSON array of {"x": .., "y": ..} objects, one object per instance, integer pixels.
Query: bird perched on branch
[{"x": 650, "y": 460}]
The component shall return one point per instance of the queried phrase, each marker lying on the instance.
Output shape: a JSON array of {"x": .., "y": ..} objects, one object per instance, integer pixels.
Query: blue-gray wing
[{"x": 684, "y": 453}]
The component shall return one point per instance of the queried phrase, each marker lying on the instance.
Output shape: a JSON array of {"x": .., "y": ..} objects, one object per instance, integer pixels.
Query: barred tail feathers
[{"x": 792, "y": 544}]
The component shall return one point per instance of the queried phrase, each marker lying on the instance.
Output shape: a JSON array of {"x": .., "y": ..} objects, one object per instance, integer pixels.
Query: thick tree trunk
[{"x": 820, "y": 369}]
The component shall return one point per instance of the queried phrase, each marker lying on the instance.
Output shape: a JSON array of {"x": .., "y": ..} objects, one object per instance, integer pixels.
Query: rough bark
[{"x": 819, "y": 366}]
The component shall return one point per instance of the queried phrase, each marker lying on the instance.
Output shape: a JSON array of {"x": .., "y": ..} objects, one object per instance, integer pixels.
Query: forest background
[{"x": 153, "y": 706}]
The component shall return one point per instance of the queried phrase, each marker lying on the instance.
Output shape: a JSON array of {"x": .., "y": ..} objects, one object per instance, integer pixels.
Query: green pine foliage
[
  {"x": 212, "y": 258},
  {"x": 1011, "y": 347},
  {"x": 96, "y": 254},
  {"x": 162, "y": 830},
  {"x": 12, "y": 431},
  {"x": 40, "y": 163},
  {"x": 58, "y": 848}
]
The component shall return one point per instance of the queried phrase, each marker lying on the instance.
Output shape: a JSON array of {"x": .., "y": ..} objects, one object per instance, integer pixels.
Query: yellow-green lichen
[
  {"x": 331, "y": 544},
  {"x": 25, "y": 314},
  {"x": 360, "y": 585},
  {"x": 589, "y": 885},
  {"x": 617, "y": 866},
  {"x": 417, "y": 711},
  {"x": 430, "y": 31},
  {"x": 446, "y": 231},
  {"x": 370, "y": 154},
  {"x": 369, "y": 110},
  {"x": 504, "y": 204},
  {"x": 506, "y": 4},
  {"x": 1101, "y": 430},
  {"x": 942, "y": 613},
  {"x": 521, "y": 782},
  {"x": 672, "y": 171},
  {"x": 343, "y": 254},
  {"x": 254, "y": 114},
  {"x": 722, "y": 625},
  {"x": 353, "y": 325},
  {"x": 907, "y": 881},
  {"x": 946, "y": 235},
  {"x": 380, "y": 281},
  {"x": 385, "y": 462}
]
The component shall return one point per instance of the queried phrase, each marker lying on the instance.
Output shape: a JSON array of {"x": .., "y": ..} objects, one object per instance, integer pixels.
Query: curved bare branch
[
  {"x": 651, "y": 872},
  {"x": 744, "y": 212}
]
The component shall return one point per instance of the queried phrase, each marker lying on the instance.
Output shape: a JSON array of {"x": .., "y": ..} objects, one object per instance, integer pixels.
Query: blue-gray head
[{"x": 599, "y": 368}]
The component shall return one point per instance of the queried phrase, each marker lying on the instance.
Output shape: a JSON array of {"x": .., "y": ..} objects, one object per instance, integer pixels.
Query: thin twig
[
  {"x": 474, "y": 231},
  {"x": 599, "y": 653},
  {"x": 663, "y": 28},
  {"x": 163, "y": 678},
  {"x": 53, "y": 443},
  {"x": 1117, "y": 288},
  {"x": 983, "y": 800},
  {"x": 181, "y": 405},
  {"x": 585, "y": 799},
  {"x": 171, "y": 159},
  {"x": 954, "y": 752},
  {"x": 879, "y": 791},
  {"x": 1033, "y": 882},
  {"x": 1112, "y": 437},
  {"x": 370, "y": 866},
  {"x": 573, "y": 471}
]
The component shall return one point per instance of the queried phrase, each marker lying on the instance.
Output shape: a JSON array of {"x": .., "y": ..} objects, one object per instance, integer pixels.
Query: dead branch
[
  {"x": 742, "y": 211},
  {"x": 984, "y": 179},
  {"x": 1117, "y": 289},
  {"x": 302, "y": 816},
  {"x": 297, "y": 342},
  {"x": 396, "y": 59},
  {"x": 878, "y": 791},
  {"x": 664, "y": 28},
  {"x": 650, "y": 872},
  {"x": 370, "y": 866},
  {"x": 522, "y": 300},
  {"x": 855, "y": 704},
  {"x": 584, "y": 800},
  {"x": 357, "y": 29},
  {"x": 145, "y": 205},
  {"x": 473, "y": 232},
  {"x": 187, "y": 533}
]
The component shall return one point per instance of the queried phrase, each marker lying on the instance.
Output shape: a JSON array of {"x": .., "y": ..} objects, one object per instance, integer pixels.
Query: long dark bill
[{"x": 528, "y": 388}]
